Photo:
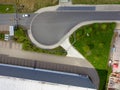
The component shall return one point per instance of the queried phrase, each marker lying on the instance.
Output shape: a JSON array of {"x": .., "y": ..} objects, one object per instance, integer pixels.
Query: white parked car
[
  {"x": 25, "y": 15},
  {"x": 6, "y": 38}
]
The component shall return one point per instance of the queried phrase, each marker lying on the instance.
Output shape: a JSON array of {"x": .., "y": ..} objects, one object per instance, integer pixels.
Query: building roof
[
  {"x": 47, "y": 76},
  {"x": 4, "y": 28},
  {"x": 9, "y": 83}
]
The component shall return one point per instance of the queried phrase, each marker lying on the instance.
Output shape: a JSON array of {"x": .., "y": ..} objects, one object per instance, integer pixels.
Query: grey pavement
[
  {"x": 49, "y": 28},
  {"x": 71, "y": 51},
  {"x": 40, "y": 57},
  {"x": 10, "y": 45},
  {"x": 7, "y": 19},
  {"x": 112, "y": 7},
  {"x": 10, "y": 19}
]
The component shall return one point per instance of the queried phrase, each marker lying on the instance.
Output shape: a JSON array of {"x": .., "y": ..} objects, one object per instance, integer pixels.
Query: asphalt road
[
  {"x": 10, "y": 19},
  {"x": 7, "y": 19},
  {"x": 49, "y": 28}
]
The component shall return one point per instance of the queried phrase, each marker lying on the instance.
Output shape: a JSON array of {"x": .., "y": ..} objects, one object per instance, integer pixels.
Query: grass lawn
[
  {"x": 94, "y": 41},
  {"x": 96, "y": 1},
  {"x": 21, "y": 37},
  {"x": 30, "y": 5},
  {"x": 1, "y": 36},
  {"x": 6, "y": 8}
]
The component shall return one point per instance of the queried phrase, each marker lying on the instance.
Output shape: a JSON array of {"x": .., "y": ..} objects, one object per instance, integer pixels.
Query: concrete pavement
[
  {"x": 10, "y": 45},
  {"x": 71, "y": 51},
  {"x": 118, "y": 26},
  {"x": 41, "y": 56}
]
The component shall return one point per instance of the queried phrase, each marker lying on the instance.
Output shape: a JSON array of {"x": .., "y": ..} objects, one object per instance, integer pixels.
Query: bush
[
  {"x": 86, "y": 48},
  {"x": 1, "y": 36},
  {"x": 21, "y": 37},
  {"x": 103, "y": 26}
]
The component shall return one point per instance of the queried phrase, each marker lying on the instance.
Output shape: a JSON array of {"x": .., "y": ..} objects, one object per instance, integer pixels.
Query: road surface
[{"x": 49, "y": 28}]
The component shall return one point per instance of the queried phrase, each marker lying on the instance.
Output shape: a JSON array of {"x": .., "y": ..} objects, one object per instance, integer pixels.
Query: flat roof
[
  {"x": 11, "y": 30},
  {"x": 4, "y": 28},
  {"x": 10, "y": 83},
  {"x": 46, "y": 76}
]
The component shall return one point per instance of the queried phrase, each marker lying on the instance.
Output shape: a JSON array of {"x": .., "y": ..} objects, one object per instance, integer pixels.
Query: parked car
[
  {"x": 6, "y": 38},
  {"x": 25, "y": 15}
]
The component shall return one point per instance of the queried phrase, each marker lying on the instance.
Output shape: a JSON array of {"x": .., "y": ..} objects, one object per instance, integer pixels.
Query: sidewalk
[
  {"x": 71, "y": 51},
  {"x": 45, "y": 9},
  {"x": 10, "y": 45}
]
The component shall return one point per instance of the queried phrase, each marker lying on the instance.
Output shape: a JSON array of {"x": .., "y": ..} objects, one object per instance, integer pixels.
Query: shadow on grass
[{"x": 103, "y": 79}]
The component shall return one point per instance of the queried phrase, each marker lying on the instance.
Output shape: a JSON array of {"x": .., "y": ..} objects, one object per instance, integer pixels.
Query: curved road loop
[{"x": 49, "y": 29}]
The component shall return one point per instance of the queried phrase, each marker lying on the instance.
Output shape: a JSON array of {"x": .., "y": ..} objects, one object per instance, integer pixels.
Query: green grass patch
[
  {"x": 1, "y": 36},
  {"x": 5, "y": 8},
  {"x": 96, "y": 1},
  {"x": 21, "y": 37},
  {"x": 27, "y": 6},
  {"x": 94, "y": 41}
]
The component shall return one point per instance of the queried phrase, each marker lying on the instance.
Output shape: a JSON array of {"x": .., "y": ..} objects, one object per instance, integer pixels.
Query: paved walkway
[
  {"x": 71, "y": 51},
  {"x": 108, "y": 7},
  {"x": 65, "y": 3},
  {"x": 10, "y": 45},
  {"x": 45, "y": 9},
  {"x": 114, "y": 78},
  {"x": 118, "y": 26},
  {"x": 44, "y": 57}
]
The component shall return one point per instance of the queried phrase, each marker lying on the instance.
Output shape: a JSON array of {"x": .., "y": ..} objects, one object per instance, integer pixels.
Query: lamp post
[{"x": 16, "y": 12}]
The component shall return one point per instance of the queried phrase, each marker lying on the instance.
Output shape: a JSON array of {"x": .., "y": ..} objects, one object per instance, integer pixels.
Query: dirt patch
[{"x": 30, "y": 5}]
